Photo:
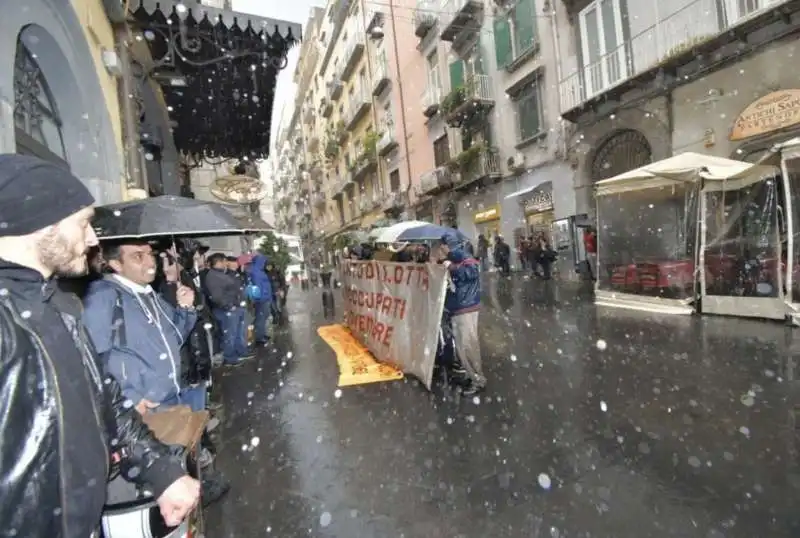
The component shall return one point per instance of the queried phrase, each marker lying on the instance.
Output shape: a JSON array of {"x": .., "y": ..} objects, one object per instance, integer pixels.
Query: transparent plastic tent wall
[{"x": 666, "y": 237}]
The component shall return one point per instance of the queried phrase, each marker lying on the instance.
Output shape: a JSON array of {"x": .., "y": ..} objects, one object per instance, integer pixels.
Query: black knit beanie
[{"x": 35, "y": 194}]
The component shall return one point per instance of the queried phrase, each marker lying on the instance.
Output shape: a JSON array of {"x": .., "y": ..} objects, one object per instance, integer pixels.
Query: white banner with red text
[{"x": 395, "y": 310}]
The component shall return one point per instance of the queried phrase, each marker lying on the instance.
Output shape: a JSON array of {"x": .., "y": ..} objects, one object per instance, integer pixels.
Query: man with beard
[{"x": 63, "y": 418}]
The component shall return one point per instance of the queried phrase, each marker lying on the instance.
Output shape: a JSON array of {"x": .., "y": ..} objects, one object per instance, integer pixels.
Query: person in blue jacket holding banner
[
  {"x": 462, "y": 305},
  {"x": 260, "y": 294}
]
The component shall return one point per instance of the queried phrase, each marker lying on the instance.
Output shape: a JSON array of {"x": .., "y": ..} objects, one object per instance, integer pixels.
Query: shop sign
[
  {"x": 772, "y": 112},
  {"x": 239, "y": 189},
  {"x": 541, "y": 200},
  {"x": 487, "y": 215}
]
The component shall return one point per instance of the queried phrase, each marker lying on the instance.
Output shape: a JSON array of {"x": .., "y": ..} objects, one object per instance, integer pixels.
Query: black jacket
[
  {"x": 196, "y": 351},
  {"x": 62, "y": 418},
  {"x": 224, "y": 289}
]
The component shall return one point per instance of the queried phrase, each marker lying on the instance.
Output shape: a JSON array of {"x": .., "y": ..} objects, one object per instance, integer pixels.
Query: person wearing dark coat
[
  {"x": 502, "y": 255},
  {"x": 66, "y": 424}
]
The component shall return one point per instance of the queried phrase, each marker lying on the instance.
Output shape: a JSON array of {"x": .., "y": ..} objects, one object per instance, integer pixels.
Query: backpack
[{"x": 253, "y": 291}]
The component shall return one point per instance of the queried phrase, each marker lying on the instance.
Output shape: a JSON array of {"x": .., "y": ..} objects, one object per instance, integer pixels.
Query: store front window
[{"x": 36, "y": 119}]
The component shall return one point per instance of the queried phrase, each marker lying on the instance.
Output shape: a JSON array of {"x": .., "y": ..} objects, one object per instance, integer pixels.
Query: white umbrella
[{"x": 390, "y": 234}]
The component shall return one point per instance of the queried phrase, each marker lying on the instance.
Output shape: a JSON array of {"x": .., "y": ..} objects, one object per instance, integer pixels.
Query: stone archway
[
  {"x": 50, "y": 32},
  {"x": 624, "y": 150}
]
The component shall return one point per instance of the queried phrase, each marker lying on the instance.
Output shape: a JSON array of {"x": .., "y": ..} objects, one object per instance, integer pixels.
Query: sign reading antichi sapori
[{"x": 395, "y": 310}]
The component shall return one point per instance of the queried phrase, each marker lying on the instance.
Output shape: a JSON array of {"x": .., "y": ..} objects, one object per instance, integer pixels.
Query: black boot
[{"x": 214, "y": 486}]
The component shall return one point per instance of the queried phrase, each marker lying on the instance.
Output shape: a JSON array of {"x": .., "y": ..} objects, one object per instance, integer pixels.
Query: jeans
[
  {"x": 194, "y": 397},
  {"x": 262, "y": 310},
  {"x": 234, "y": 333}
]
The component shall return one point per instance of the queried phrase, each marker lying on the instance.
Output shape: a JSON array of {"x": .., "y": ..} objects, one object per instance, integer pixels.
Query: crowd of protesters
[
  {"x": 458, "y": 355},
  {"x": 77, "y": 379}
]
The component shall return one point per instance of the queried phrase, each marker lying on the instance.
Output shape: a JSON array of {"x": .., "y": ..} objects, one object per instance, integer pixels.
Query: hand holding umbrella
[{"x": 185, "y": 296}]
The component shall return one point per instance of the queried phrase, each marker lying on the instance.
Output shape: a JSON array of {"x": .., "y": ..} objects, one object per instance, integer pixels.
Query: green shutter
[
  {"x": 502, "y": 40},
  {"x": 525, "y": 25},
  {"x": 456, "y": 74}
]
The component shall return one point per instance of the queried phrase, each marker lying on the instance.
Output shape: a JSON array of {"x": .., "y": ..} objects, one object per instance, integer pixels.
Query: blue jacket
[
  {"x": 257, "y": 271},
  {"x": 465, "y": 294},
  {"x": 144, "y": 359}
]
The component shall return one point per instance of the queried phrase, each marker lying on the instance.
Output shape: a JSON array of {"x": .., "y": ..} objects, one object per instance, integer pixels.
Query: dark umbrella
[{"x": 164, "y": 216}]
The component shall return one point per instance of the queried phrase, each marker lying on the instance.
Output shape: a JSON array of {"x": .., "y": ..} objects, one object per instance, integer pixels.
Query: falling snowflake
[{"x": 544, "y": 481}]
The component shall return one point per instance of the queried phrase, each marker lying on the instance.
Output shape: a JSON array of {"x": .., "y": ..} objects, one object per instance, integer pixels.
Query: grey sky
[{"x": 289, "y": 10}]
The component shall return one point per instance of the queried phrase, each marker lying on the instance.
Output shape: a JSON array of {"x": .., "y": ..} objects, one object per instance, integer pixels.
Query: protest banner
[
  {"x": 357, "y": 366},
  {"x": 395, "y": 310}
]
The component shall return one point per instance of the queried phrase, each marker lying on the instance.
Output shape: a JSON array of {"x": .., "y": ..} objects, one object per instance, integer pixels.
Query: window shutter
[
  {"x": 525, "y": 25},
  {"x": 502, "y": 41},
  {"x": 456, "y": 74}
]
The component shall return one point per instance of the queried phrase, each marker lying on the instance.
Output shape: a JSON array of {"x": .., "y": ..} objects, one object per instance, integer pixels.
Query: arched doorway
[
  {"x": 37, "y": 123},
  {"x": 625, "y": 150}
]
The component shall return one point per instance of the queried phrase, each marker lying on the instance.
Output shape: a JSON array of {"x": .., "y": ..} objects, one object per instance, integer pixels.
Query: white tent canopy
[{"x": 686, "y": 168}]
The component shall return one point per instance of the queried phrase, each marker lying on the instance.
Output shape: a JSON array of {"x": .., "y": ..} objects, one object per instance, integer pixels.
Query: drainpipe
[
  {"x": 402, "y": 99},
  {"x": 559, "y": 74},
  {"x": 136, "y": 177}
]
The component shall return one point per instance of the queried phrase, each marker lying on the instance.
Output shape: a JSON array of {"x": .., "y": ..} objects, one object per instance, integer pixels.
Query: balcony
[
  {"x": 308, "y": 114},
  {"x": 341, "y": 185},
  {"x": 380, "y": 76},
  {"x": 477, "y": 163},
  {"x": 325, "y": 108},
  {"x": 394, "y": 202},
  {"x": 356, "y": 109},
  {"x": 436, "y": 181},
  {"x": 335, "y": 89},
  {"x": 316, "y": 170},
  {"x": 430, "y": 100},
  {"x": 387, "y": 141},
  {"x": 374, "y": 19},
  {"x": 352, "y": 54},
  {"x": 313, "y": 142},
  {"x": 651, "y": 58},
  {"x": 463, "y": 102},
  {"x": 425, "y": 17},
  {"x": 364, "y": 165},
  {"x": 460, "y": 18}
]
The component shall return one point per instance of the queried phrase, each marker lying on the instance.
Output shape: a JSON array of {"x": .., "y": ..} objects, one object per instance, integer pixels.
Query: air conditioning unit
[{"x": 516, "y": 162}]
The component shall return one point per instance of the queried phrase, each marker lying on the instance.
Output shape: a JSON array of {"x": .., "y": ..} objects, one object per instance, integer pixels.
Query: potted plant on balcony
[
  {"x": 465, "y": 161},
  {"x": 457, "y": 97},
  {"x": 370, "y": 145},
  {"x": 341, "y": 131}
]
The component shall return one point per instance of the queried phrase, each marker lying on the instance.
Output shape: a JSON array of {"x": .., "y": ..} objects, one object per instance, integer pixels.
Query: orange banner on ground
[{"x": 357, "y": 366}]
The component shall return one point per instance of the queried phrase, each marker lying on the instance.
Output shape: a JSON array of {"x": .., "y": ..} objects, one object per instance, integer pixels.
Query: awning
[
  {"x": 685, "y": 168},
  {"x": 528, "y": 190},
  {"x": 218, "y": 71}
]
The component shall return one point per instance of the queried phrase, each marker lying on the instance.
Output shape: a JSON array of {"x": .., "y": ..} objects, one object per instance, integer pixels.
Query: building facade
[
  {"x": 642, "y": 81},
  {"x": 492, "y": 122},
  {"x": 58, "y": 93}
]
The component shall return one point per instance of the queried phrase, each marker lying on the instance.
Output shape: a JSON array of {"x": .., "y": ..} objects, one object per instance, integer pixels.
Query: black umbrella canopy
[{"x": 163, "y": 216}]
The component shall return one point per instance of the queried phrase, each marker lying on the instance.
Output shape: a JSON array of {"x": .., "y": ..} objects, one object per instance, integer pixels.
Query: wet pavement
[{"x": 596, "y": 423}]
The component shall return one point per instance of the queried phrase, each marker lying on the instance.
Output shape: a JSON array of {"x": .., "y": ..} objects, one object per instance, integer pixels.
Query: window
[
  {"x": 529, "y": 111},
  {"x": 464, "y": 70},
  {"x": 434, "y": 82},
  {"x": 441, "y": 151},
  {"x": 394, "y": 180},
  {"x": 604, "y": 57},
  {"x": 36, "y": 119},
  {"x": 514, "y": 33},
  {"x": 362, "y": 80}
]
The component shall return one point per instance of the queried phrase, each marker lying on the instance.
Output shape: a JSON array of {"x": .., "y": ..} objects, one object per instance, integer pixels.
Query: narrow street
[{"x": 596, "y": 423}]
